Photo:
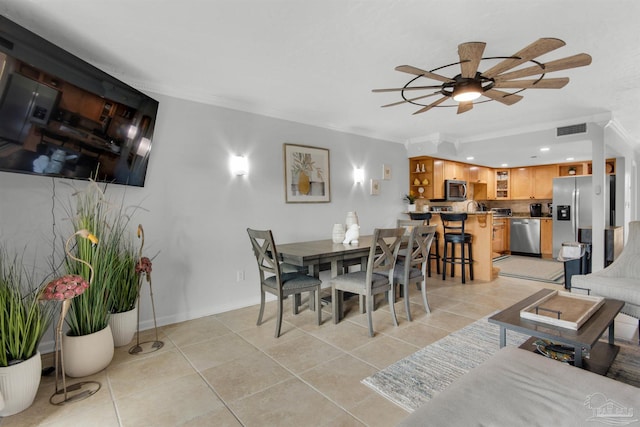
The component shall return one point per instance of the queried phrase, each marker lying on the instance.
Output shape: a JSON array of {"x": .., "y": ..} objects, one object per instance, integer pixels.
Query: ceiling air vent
[{"x": 571, "y": 130}]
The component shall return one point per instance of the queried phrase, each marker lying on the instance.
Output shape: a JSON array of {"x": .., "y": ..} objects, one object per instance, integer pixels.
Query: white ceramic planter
[
  {"x": 87, "y": 354},
  {"x": 123, "y": 326},
  {"x": 19, "y": 385}
]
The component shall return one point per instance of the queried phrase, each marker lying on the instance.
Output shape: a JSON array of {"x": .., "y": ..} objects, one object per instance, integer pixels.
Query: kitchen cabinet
[
  {"x": 455, "y": 170},
  {"x": 535, "y": 182},
  {"x": 438, "y": 179},
  {"x": 479, "y": 174},
  {"x": 85, "y": 104},
  {"x": 502, "y": 184},
  {"x": 421, "y": 177},
  {"x": 546, "y": 237},
  {"x": 500, "y": 235}
]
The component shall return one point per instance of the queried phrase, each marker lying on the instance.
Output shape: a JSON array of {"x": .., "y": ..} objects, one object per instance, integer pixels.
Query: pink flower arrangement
[{"x": 65, "y": 287}]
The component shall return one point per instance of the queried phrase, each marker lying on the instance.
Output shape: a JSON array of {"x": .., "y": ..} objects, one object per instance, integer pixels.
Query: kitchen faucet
[{"x": 476, "y": 204}]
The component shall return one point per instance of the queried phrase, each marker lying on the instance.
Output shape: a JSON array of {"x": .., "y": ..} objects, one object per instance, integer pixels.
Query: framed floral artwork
[{"x": 306, "y": 174}]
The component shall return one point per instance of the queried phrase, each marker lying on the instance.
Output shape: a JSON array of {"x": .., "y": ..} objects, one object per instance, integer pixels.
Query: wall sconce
[
  {"x": 239, "y": 165},
  {"x": 358, "y": 175}
]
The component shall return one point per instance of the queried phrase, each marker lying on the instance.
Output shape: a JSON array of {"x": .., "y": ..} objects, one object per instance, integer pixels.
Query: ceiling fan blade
[
  {"x": 418, "y": 72},
  {"x": 502, "y": 97},
  {"x": 463, "y": 107},
  {"x": 470, "y": 55},
  {"x": 575, "y": 61},
  {"x": 411, "y": 99},
  {"x": 533, "y": 84},
  {"x": 535, "y": 49},
  {"x": 433, "y": 104},
  {"x": 398, "y": 89}
]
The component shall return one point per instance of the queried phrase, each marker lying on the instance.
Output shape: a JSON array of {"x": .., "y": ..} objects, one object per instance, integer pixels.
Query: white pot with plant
[
  {"x": 23, "y": 321},
  {"x": 89, "y": 313},
  {"x": 124, "y": 298},
  {"x": 411, "y": 202}
]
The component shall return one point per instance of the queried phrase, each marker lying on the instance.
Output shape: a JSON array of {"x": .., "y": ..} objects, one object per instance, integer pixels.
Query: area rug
[
  {"x": 522, "y": 267},
  {"x": 414, "y": 380}
]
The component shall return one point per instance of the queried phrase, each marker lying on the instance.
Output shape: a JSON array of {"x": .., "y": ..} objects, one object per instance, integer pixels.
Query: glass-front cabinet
[{"x": 503, "y": 188}]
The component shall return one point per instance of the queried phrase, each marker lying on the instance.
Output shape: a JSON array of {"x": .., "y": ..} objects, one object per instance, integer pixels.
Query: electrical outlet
[{"x": 240, "y": 275}]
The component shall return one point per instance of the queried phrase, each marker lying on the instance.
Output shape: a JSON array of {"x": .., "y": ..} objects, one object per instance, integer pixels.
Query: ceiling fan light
[{"x": 467, "y": 93}]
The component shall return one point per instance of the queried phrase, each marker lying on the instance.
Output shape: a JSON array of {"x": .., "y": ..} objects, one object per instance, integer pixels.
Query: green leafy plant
[
  {"x": 89, "y": 312},
  {"x": 409, "y": 198},
  {"x": 23, "y": 317},
  {"x": 124, "y": 288}
]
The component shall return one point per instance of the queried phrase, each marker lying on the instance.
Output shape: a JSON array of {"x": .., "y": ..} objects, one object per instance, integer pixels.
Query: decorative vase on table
[
  {"x": 338, "y": 233},
  {"x": 19, "y": 385},
  {"x": 123, "y": 326},
  {"x": 352, "y": 218}
]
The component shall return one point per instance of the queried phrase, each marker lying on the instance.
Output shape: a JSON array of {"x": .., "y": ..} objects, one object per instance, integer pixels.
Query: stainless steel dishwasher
[{"x": 525, "y": 236}]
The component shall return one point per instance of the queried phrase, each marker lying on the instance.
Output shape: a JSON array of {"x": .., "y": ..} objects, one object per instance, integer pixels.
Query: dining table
[
  {"x": 317, "y": 255},
  {"x": 322, "y": 255}
]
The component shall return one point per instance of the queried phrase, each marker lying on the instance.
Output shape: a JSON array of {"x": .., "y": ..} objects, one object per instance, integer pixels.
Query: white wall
[{"x": 197, "y": 212}]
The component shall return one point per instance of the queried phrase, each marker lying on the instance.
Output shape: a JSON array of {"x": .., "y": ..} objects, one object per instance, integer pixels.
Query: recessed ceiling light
[
  {"x": 470, "y": 158},
  {"x": 545, "y": 149},
  {"x": 504, "y": 165},
  {"x": 569, "y": 159}
]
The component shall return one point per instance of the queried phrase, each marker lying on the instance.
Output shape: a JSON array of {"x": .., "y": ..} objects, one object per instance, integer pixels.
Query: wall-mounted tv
[{"x": 60, "y": 116}]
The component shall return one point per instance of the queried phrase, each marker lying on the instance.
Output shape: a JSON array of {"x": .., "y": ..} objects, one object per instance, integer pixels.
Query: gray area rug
[
  {"x": 415, "y": 379},
  {"x": 541, "y": 270}
]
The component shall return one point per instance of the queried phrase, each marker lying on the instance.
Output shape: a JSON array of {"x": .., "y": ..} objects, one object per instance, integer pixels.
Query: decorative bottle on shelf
[{"x": 417, "y": 168}]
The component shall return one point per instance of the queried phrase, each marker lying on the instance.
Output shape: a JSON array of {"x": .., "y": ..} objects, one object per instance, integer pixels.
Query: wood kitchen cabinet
[
  {"x": 438, "y": 179},
  {"x": 502, "y": 184},
  {"x": 546, "y": 237},
  {"x": 455, "y": 170},
  {"x": 535, "y": 182},
  {"x": 479, "y": 175},
  {"x": 500, "y": 235}
]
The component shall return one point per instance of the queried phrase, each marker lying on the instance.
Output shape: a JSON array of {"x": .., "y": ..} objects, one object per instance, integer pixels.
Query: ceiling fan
[{"x": 470, "y": 85}]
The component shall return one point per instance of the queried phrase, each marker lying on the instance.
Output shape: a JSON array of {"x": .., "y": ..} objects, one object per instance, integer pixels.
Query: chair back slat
[
  {"x": 384, "y": 251},
  {"x": 264, "y": 248},
  {"x": 423, "y": 216},
  {"x": 420, "y": 240}
]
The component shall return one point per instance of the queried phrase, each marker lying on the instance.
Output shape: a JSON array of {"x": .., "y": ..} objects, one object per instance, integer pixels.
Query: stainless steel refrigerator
[
  {"x": 572, "y": 198},
  {"x": 24, "y": 102}
]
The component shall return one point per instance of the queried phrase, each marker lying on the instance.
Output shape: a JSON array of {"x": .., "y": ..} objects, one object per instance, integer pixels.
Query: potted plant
[
  {"x": 23, "y": 321},
  {"x": 89, "y": 313},
  {"x": 123, "y": 296},
  {"x": 411, "y": 202}
]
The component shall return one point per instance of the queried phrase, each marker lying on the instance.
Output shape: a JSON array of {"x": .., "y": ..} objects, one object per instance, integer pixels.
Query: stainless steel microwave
[{"x": 454, "y": 190}]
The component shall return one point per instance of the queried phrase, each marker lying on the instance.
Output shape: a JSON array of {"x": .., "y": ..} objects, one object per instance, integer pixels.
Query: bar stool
[
  {"x": 453, "y": 225},
  {"x": 434, "y": 254}
]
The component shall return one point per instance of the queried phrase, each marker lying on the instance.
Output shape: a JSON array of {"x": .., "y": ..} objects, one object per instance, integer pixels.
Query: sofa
[
  {"x": 621, "y": 279},
  {"x": 516, "y": 387}
]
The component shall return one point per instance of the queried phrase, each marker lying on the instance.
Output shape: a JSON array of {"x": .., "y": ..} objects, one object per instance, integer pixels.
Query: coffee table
[{"x": 586, "y": 338}]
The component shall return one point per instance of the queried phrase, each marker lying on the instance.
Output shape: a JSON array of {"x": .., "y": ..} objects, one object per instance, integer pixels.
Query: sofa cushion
[{"x": 516, "y": 387}]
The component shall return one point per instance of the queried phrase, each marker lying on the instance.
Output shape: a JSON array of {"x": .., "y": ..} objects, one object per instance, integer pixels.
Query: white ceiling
[{"x": 316, "y": 61}]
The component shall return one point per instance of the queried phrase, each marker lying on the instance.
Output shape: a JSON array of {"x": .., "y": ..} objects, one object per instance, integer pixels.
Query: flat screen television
[{"x": 61, "y": 116}]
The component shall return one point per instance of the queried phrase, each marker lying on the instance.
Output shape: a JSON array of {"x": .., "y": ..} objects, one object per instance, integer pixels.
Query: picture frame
[
  {"x": 374, "y": 187},
  {"x": 386, "y": 172},
  {"x": 306, "y": 174}
]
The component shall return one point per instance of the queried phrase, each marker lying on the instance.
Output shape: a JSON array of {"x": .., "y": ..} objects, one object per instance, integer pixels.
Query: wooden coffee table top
[{"x": 586, "y": 336}]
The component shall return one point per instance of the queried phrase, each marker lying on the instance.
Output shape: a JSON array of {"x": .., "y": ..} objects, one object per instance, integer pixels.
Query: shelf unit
[{"x": 421, "y": 176}]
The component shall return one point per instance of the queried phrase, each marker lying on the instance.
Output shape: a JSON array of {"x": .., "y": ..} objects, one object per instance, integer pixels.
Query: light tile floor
[{"x": 223, "y": 370}]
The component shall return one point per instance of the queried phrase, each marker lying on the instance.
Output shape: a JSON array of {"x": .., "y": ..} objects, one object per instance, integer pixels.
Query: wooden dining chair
[
  {"x": 413, "y": 267},
  {"x": 376, "y": 279},
  {"x": 274, "y": 281}
]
